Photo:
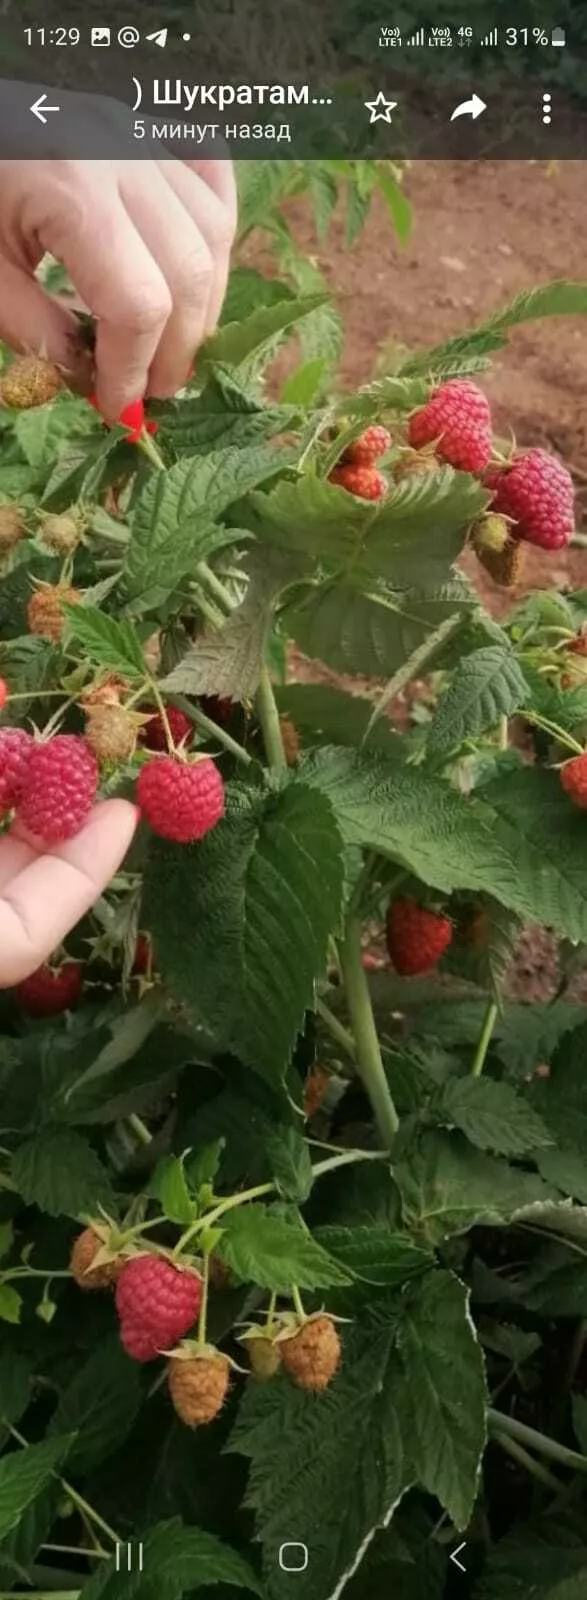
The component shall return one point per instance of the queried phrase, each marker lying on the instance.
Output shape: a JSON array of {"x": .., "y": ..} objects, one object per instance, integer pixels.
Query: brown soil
[{"x": 482, "y": 232}]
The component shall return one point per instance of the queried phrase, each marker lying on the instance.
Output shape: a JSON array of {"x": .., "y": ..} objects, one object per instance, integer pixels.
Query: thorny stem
[
  {"x": 523, "y": 1459},
  {"x": 268, "y": 715},
  {"x": 369, "y": 1063},
  {"x": 540, "y": 1442},
  {"x": 337, "y": 1029},
  {"x": 489, "y": 1022}
]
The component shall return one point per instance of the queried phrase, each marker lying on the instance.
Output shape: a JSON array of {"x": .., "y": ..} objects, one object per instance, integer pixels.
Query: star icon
[{"x": 380, "y": 108}]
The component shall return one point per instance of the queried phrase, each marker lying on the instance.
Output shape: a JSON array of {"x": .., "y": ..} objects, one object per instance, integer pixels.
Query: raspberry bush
[{"x": 293, "y": 1196}]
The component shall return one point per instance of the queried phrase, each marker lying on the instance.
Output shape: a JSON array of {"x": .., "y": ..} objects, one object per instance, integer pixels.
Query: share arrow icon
[{"x": 469, "y": 108}]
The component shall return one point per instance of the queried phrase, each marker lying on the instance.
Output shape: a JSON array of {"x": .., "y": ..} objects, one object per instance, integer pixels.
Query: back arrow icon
[
  {"x": 40, "y": 107},
  {"x": 470, "y": 108},
  {"x": 455, "y": 1553}
]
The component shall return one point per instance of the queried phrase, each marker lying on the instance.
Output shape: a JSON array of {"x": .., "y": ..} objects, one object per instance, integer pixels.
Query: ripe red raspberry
[
  {"x": 537, "y": 492},
  {"x": 573, "y": 778},
  {"x": 366, "y": 482},
  {"x": 60, "y": 788},
  {"x": 50, "y": 990},
  {"x": 16, "y": 748},
  {"x": 578, "y": 646},
  {"x": 218, "y": 707},
  {"x": 181, "y": 801},
  {"x": 157, "y": 1304},
  {"x": 416, "y": 938},
  {"x": 180, "y": 725},
  {"x": 369, "y": 446},
  {"x": 143, "y": 960},
  {"x": 458, "y": 416}
]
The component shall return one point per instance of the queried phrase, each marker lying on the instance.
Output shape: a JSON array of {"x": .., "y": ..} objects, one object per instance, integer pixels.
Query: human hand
[
  {"x": 44, "y": 892},
  {"x": 147, "y": 246}
]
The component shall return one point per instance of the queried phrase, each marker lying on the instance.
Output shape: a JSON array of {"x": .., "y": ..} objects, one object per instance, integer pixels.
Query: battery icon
[{"x": 558, "y": 36}]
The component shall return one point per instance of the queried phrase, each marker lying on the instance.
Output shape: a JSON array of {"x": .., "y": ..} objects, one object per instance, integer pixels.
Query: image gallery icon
[{"x": 100, "y": 36}]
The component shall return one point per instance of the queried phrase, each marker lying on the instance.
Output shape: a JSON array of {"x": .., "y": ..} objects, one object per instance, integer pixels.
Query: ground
[{"x": 481, "y": 233}]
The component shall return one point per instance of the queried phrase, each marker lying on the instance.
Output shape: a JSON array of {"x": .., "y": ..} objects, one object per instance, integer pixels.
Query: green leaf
[
  {"x": 99, "y": 1406},
  {"x": 223, "y": 415},
  {"x": 263, "y": 1247},
  {"x": 486, "y": 685},
  {"x": 15, "y": 482},
  {"x": 374, "y": 1254},
  {"x": 524, "y": 1566},
  {"x": 82, "y": 467},
  {"x": 168, "y": 1185},
  {"x": 445, "y": 1392},
  {"x": 229, "y": 661},
  {"x": 15, "y": 1384},
  {"x": 171, "y": 525},
  {"x": 448, "y": 1187},
  {"x": 258, "y": 899},
  {"x": 106, "y": 642},
  {"x": 398, "y": 207},
  {"x": 331, "y": 716},
  {"x": 23, "y": 1475},
  {"x": 304, "y": 384},
  {"x": 390, "y": 540},
  {"x": 41, "y": 430},
  {"x": 492, "y": 1116},
  {"x": 202, "y": 1166},
  {"x": 59, "y": 1172},
  {"x": 235, "y": 342},
  {"x": 561, "y": 298},
  {"x": 10, "y": 1303},
  {"x": 369, "y": 633},
  {"x": 176, "y": 1560},
  {"x": 289, "y": 1162}
]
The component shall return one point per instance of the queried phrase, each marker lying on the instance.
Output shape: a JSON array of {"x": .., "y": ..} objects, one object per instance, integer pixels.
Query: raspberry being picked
[
  {"x": 365, "y": 482},
  {"x": 458, "y": 418},
  {"x": 416, "y": 937},
  {"x": 573, "y": 777},
  {"x": 16, "y": 748},
  {"x": 537, "y": 493},
  {"x": 198, "y": 1383},
  {"x": 51, "y": 990},
  {"x": 157, "y": 1303},
  {"x": 374, "y": 442},
  {"x": 60, "y": 788},
  {"x": 311, "y": 1352},
  {"x": 181, "y": 800}
]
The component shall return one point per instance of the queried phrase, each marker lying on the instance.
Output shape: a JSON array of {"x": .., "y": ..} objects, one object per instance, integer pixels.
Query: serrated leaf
[
  {"x": 288, "y": 1158},
  {"x": 41, "y": 430},
  {"x": 23, "y": 1476},
  {"x": 398, "y": 206},
  {"x": 230, "y": 660},
  {"x": 82, "y": 467},
  {"x": 384, "y": 394},
  {"x": 15, "y": 482},
  {"x": 524, "y": 1566},
  {"x": 375, "y": 1254},
  {"x": 59, "y": 1172},
  {"x": 176, "y": 1560},
  {"x": 369, "y": 633},
  {"x": 301, "y": 388},
  {"x": 445, "y": 1392},
  {"x": 172, "y": 525},
  {"x": 492, "y": 1116},
  {"x": 107, "y": 642},
  {"x": 235, "y": 342},
  {"x": 99, "y": 1406},
  {"x": 560, "y": 298},
  {"x": 486, "y": 685},
  {"x": 168, "y": 1185},
  {"x": 15, "y": 1385},
  {"x": 258, "y": 897},
  {"x": 323, "y": 715},
  {"x": 390, "y": 540},
  {"x": 10, "y": 1303},
  {"x": 202, "y": 1166},
  {"x": 263, "y": 1247},
  {"x": 448, "y": 1187},
  {"x": 223, "y": 415}
]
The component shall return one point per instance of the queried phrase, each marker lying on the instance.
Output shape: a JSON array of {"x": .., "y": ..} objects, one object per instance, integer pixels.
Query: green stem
[
  {"x": 76, "y": 1550},
  {"x": 203, "y": 1317},
  {"x": 298, "y": 1302},
  {"x": 208, "y": 611},
  {"x": 82, "y": 1505},
  {"x": 369, "y": 1063},
  {"x": 489, "y": 1022},
  {"x": 503, "y": 733},
  {"x": 523, "y": 1459},
  {"x": 212, "y": 729},
  {"x": 211, "y": 1217},
  {"x": 557, "y": 733},
  {"x": 151, "y": 451},
  {"x": 337, "y": 1029},
  {"x": 215, "y": 585},
  {"x": 139, "y": 1128},
  {"x": 540, "y": 1442},
  {"x": 271, "y": 1311},
  {"x": 268, "y": 715},
  {"x": 160, "y": 704}
]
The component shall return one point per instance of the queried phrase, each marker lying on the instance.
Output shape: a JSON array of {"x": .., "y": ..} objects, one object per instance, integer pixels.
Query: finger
[
  {"x": 48, "y": 897},
  {"x": 117, "y": 277},
  {"x": 31, "y": 322},
  {"x": 216, "y": 220},
  {"x": 179, "y": 247},
  {"x": 220, "y": 177}
]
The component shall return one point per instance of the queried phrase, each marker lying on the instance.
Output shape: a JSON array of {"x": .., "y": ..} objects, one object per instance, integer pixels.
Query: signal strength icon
[
  {"x": 490, "y": 38},
  {"x": 418, "y": 38}
]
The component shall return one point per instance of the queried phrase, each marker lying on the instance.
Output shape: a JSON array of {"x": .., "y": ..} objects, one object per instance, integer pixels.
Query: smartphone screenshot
[{"x": 293, "y": 783}]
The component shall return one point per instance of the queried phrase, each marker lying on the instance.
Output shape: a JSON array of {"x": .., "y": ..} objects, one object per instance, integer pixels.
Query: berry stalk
[
  {"x": 369, "y": 1063},
  {"x": 268, "y": 715},
  {"x": 489, "y": 1022}
]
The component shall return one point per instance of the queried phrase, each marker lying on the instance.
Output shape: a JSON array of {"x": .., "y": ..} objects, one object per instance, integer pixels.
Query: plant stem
[
  {"x": 369, "y": 1063},
  {"x": 208, "y": 611},
  {"x": 337, "y": 1029},
  {"x": 203, "y": 1317},
  {"x": 523, "y": 1459},
  {"x": 297, "y": 1300},
  {"x": 268, "y": 715},
  {"x": 557, "y": 733},
  {"x": 503, "y": 733},
  {"x": 151, "y": 451},
  {"x": 77, "y": 1550},
  {"x": 224, "y": 1205},
  {"x": 271, "y": 1311},
  {"x": 139, "y": 1128},
  {"x": 544, "y": 1446},
  {"x": 160, "y": 704},
  {"x": 213, "y": 730},
  {"x": 216, "y": 587},
  {"x": 82, "y": 1505},
  {"x": 489, "y": 1022}
]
